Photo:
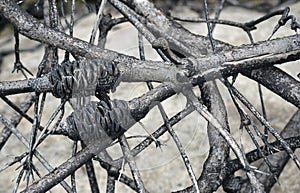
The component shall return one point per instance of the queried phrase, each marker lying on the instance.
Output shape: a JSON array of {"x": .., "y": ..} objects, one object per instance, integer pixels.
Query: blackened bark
[{"x": 278, "y": 82}]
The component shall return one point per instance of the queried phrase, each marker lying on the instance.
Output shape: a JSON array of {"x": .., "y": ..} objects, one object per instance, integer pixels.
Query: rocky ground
[{"x": 161, "y": 169}]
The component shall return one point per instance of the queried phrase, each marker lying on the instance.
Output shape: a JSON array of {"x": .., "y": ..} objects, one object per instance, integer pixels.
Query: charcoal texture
[
  {"x": 82, "y": 78},
  {"x": 101, "y": 121}
]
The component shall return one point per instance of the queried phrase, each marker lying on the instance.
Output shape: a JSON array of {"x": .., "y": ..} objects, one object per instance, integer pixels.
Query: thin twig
[
  {"x": 217, "y": 14},
  {"x": 97, "y": 22},
  {"x": 45, "y": 130},
  {"x": 91, "y": 174},
  {"x": 44, "y": 162},
  {"x": 264, "y": 122},
  {"x": 254, "y": 155},
  {"x": 16, "y": 118},
  {"x": 291, "y": 129},
  {"x": 202, "y": 110},
  {"x": 171, "y": 131},
  {"x": 132, "y": 164},
  {"x": 212, "y": 174},
  {"x": 209, "y": 28},
  {"x": 247, "y": 121},
  {"x": 73, "y": 181},
  {"x": 110, "y": 183}
]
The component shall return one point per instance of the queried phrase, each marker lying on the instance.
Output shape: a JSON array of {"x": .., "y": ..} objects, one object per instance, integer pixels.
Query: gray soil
[{"x": 162, "y": 169}]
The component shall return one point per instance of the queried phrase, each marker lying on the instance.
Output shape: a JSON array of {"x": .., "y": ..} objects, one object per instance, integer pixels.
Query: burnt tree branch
[
  {"x": 224, "y": 63},
  {"x": 279, "y": 159},
  {"x": 204, "y": 65}
]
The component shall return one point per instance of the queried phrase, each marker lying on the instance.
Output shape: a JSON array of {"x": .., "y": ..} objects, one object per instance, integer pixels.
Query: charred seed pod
[
  {"x": 107, "y": 80},
  {"x": 108, "y": 76},
  {"x": 62, "y": 79},
  {"x": 101, "y": 121},
  {"x": 81, "y": 78}
]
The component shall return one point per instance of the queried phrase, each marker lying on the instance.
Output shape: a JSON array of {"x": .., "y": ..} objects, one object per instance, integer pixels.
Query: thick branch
[
  {"x": 33, "y": 29},
  {"x": 278, "y": 82},
  {"x": 222, "y": 64},
  {"x": 212, "y": 174},
  {"x": 161, "y": 26},
  {"x": 138, "y": 110},
  {"x": 64, "y": 170},
  {"x": 260, "y": 55}
]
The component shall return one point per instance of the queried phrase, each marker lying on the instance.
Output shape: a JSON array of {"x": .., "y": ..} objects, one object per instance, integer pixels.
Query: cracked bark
[
  {"x": 213, "y": 173},
  {"x": 224, "y": 63}
]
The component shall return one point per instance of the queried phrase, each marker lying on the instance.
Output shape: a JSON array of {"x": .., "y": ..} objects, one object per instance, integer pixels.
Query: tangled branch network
[{"x": 189, "y": 64}]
